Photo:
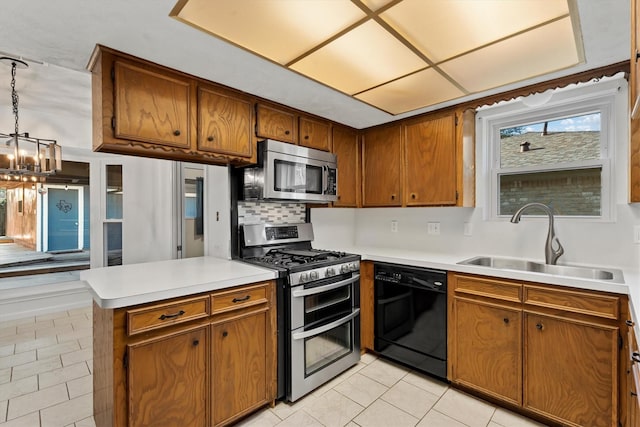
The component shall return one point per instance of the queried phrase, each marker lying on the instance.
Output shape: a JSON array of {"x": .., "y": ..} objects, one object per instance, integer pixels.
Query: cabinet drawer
[
  {"x": 159, "y": 316},
  {"x": 581, "y": 302},
  {"x": 508, "y": 291},
  {"x": 239, "y": 298}
]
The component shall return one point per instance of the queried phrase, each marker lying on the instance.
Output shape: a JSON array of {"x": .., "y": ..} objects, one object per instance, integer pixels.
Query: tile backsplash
[{"x": 271, "y": 212}]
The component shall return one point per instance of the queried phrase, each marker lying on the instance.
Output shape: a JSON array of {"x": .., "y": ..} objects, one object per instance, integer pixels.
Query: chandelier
[{"x": 23, "y": 157}]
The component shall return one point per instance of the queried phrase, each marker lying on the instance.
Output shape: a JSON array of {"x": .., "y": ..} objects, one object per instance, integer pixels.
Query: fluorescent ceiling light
[{"x": 400, "y": 55}]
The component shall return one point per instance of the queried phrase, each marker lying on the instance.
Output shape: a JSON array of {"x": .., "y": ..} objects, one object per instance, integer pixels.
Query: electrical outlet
[
  {"x": 394, "y": 226},
  {"x": 636, "y": 234},
  {"x": 468, "y": 231},
  {"x": 433, "y": 228}
]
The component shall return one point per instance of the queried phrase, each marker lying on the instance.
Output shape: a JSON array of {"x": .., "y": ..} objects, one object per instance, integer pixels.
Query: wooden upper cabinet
[
  {"x": 382, "y": 169},
  {"x": 225, "y": 122},
  {"x": 314, "y": 134},
  {"x": 346, "y": 147},
  {"x": 151, "y": 106},
  {"x": 430, "y": 161},
  {"x": 147, "y": 110},
  {"x": 275, "y": 123}
]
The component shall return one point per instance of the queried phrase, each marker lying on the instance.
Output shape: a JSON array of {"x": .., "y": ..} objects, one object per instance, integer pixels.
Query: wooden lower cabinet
[
  {"x": 547, "y": 351},
  {"x": 207, "y": 371},
  {"x": 489, "y": 354},
  {"x": 571, "y": 370},
  {"x": 238, "y": 366},
  {"x": 167, "y": 379}
]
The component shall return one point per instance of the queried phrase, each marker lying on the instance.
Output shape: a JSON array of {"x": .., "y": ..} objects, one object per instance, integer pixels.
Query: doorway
[{"x": 190, "y": 207}]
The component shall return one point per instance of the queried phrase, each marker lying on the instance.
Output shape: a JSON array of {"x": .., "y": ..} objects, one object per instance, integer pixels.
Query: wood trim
[
  {"x": 367, "y": 320},
  {"x": 582, "y": 77}
]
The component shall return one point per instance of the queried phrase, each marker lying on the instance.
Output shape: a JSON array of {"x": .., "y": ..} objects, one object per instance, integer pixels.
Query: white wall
[{"x": 585, "y": 242}]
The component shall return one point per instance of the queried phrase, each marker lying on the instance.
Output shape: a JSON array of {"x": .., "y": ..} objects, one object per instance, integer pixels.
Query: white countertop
[
  {"x": 449, "y": 262},
  {"x": 126, "y": 285}
]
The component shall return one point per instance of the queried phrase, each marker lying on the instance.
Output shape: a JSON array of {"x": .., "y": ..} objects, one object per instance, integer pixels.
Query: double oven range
[{"x": 318, "y": 304}]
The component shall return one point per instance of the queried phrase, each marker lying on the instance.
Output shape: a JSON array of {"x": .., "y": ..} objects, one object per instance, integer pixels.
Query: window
[{"x": 557, "y": 152}]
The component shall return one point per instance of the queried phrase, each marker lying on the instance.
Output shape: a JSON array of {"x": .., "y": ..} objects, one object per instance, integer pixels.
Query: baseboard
[{"x": 29, "y": 301}]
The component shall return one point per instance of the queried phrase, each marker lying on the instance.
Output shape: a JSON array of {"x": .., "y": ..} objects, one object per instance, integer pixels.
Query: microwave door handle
[
  {"x": 325, "y": 288},
  {"x": 326, "y": 328},
  {"x": 325, "y": 178}
]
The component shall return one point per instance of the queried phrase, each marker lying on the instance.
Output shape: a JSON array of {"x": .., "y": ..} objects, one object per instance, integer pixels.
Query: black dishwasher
[{"x": 411, "y": 316}]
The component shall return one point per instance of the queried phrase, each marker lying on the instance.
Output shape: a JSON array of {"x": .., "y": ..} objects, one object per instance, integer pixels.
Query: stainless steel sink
[{"x": 609, "y": 274}]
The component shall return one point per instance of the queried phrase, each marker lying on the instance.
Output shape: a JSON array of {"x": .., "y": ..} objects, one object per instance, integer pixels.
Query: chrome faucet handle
[{"x": 554, "y": 254}]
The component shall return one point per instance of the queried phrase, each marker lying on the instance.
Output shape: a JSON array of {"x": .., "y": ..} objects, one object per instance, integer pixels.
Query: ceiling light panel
[
  {"x": 543, "y": 50},
  {"x": 374, "y": 5},
  {"x": 363, "y": 58},
  {"x": 425, "y": 87},
  {"x": 280, "y": 30},
  {"x": 442, "y": 29}
]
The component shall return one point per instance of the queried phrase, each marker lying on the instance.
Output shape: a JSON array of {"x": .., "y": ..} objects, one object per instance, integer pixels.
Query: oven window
[
  {"x": 323, "y": 349},
  {"x": 294, "y": 177},
  {"x": 327, "y": 305}
]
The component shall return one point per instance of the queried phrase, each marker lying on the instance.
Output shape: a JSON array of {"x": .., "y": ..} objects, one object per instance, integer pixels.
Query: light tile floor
[{"x": 46, "y": 380}]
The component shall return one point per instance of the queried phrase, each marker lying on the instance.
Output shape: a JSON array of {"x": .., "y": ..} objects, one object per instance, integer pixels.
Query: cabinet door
[
  {"x": 167, "y": 380},
  {"x": 382, "y": 150},
  {"x": 571, "y": 370},
  {"x": 315, "y": 134},
  {"x": 224, "y": 123},
  {"x": 151, "y": 106},
  {"x": 487, "y": 348},
  {"x": 239, "y": 366},
  {"x": 277, "y": 124},
  {"x": 347, "y": 149},
  {"x": 430, "y": 158}
]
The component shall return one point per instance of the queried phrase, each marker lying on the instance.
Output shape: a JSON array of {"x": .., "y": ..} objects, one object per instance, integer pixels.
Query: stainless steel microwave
[{"x": 291, "y": 172}]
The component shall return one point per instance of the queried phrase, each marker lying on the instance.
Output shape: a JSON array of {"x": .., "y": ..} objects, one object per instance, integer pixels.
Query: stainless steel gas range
[{"x": 318, "y": 304}]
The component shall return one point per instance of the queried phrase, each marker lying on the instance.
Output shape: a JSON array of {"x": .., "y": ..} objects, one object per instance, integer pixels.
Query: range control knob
[
  {"x": 330, "y": 272},
  {"x": 354, "y": 266},
  {"x": 345, "y": 268},
  {"x": 313, "y": 275},
  {"x": 304, "y": 277}
]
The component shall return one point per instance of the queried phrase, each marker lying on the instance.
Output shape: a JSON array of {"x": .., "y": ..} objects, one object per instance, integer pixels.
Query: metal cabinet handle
[
  {"x": 196, "y": 342},
  {"x": 241, "y": 299},
  {"x": 506, "y": 320},
  {"x": 286, "y": 132},
  {"x": 539, "y": 326},
  {"x": 629, "y": 323},
  {"x": 635, "y": 356},
  {"x": 225, "y": 333},
  {"x": 393, "y": 197},
  {"x": 210, "y": 138},
  {"x": 172, "y": 316},
  {"x": 176, "y": 132}
]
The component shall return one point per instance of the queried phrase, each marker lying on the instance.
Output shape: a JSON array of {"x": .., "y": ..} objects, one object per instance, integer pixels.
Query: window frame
[{"x": 576, "y": 100}]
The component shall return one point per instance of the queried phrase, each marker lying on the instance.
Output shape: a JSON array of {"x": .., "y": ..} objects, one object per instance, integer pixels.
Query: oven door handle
[
  {"x": 327, "y": 327},
  {"x": 325, "y": 288}
]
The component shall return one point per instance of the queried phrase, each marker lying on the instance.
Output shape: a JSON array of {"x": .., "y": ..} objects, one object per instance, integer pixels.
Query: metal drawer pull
[
  {"x": 635, "y": 356},
  {"x": 241, "y": 299},
  {"x": 326, "y": 328},
  {"x": 629, "y": 322},
  {"x": 320, "y": 289},
  {"x": 172, "y": 316},
  {"x": 539, "y": 326}
]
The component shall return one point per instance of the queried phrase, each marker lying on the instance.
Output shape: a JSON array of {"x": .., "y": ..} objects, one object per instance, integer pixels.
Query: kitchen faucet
[{"x": 551, "y": 255}]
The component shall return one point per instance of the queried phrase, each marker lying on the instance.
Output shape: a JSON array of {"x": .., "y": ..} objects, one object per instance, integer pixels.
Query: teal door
[{"x": 62, "y": 219}]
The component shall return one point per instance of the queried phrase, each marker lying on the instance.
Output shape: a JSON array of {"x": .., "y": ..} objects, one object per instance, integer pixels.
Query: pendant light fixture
[{"x": 23, "y": 157}]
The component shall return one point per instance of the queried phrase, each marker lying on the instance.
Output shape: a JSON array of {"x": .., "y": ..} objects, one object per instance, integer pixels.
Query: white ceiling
[{"x": 62, "y": 35}]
